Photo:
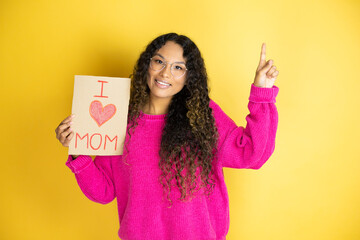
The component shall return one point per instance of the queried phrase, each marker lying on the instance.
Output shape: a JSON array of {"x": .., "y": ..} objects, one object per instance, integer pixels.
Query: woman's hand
[
  {"x": 64, "y": 133},
  {"x": 266, "y": 72}
]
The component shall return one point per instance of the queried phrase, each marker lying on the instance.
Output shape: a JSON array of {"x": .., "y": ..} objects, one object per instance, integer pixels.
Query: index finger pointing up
[{"x": 262, "y": 56}]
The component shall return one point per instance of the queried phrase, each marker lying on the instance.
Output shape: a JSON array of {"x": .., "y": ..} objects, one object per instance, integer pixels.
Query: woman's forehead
[{"x": 171, "y": 52}]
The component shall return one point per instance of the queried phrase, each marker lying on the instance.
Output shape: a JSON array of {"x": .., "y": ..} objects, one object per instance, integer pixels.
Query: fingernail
[
  {"x": 71, "y": 123},
  {"x": 70, "y": 129}
]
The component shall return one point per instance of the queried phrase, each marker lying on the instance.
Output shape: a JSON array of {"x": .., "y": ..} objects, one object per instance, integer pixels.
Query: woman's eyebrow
[{"x": 164, "y": 58}]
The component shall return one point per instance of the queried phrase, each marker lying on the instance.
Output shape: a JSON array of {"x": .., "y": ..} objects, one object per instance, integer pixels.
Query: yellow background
[{"x": 309, "y": 188}]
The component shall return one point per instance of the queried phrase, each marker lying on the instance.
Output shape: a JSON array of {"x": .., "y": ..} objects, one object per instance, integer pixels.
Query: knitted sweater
[{"x": 143, "y": 209}]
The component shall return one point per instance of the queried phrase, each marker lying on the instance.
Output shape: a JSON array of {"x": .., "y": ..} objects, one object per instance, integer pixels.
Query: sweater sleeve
[
  {"x": 95, "y": 178},
  {"x": 252, "y": 146}
]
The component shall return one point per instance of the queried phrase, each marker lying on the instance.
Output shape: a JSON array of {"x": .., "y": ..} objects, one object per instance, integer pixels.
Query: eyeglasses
[{"x": 177, "y": 69}]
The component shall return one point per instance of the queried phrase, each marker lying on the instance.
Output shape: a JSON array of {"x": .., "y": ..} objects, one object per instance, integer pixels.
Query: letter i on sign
[{"x": 99, "y": 113}]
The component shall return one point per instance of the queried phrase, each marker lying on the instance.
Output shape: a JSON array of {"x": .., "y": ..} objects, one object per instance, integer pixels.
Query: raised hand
[{"x": 266, "y": 72}]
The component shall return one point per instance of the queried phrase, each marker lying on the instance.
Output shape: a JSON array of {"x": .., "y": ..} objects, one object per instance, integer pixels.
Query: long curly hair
[{"x": 189, "y": 137}]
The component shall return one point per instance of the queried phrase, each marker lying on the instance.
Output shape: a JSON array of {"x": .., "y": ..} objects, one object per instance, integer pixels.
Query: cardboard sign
[{"x": 100, "y": 106}]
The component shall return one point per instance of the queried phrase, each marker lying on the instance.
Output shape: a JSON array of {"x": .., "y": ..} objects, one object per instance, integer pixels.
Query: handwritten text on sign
[{"x": 100, "y": 105}]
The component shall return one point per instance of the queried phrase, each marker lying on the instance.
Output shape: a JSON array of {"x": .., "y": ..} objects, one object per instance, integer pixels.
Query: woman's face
[{"x": 171, "y": 52}]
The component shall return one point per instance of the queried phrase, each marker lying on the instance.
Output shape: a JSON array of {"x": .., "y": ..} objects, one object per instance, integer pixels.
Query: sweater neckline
[{"x": 148, "y": 116}]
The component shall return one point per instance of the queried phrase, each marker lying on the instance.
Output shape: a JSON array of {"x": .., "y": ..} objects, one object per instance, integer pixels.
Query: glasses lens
[
  {"x": 178, "y": 70},
  {"x": 156, "y": 63}
]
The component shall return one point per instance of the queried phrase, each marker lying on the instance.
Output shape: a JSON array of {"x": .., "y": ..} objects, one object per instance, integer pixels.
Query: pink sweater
[{"x": 143, "y": 212}]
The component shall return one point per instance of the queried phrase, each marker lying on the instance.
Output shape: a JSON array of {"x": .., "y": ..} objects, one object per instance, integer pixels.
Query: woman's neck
[{"x": 156, "y": 106}]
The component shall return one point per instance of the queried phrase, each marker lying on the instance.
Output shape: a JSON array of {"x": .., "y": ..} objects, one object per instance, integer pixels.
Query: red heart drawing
[{"x": 101, "y": 114}]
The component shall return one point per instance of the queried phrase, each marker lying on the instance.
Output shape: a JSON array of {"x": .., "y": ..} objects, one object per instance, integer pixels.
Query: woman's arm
[
  {"x": 252, "y": 146},
  {"x": 95, "y": 178}
]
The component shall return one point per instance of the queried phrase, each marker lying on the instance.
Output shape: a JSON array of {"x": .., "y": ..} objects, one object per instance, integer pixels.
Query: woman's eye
[
  {"x": 178, "y": 68},
  {"x": 158, "y": 61}
]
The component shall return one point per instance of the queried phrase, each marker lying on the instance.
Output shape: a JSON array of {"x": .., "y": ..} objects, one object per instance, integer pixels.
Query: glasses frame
[{"x": 163, "y": 66}]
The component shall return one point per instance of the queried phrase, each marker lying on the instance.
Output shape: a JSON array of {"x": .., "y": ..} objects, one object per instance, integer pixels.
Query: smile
[{"x": 162, "y": 83}]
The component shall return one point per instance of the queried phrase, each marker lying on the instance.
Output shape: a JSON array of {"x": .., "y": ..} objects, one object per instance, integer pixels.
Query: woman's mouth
[{"x": 162, "y": 84}]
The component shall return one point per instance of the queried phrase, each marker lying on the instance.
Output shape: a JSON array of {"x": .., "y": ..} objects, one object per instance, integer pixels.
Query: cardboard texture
[{"x": 100, "y": 106}]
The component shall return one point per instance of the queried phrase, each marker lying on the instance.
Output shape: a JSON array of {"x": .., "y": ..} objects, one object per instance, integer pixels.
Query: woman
[{"x": 169, "y": 182}]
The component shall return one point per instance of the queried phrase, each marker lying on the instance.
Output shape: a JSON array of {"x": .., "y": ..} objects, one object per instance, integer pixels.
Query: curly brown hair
[{"x": 189, "y": 137}]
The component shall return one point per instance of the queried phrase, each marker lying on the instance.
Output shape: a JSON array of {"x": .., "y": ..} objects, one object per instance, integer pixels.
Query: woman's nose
[{"x": 166, "y": 71}]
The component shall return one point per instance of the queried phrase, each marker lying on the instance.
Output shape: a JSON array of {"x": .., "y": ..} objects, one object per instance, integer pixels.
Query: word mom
[{"x": 95, "y": 141}]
